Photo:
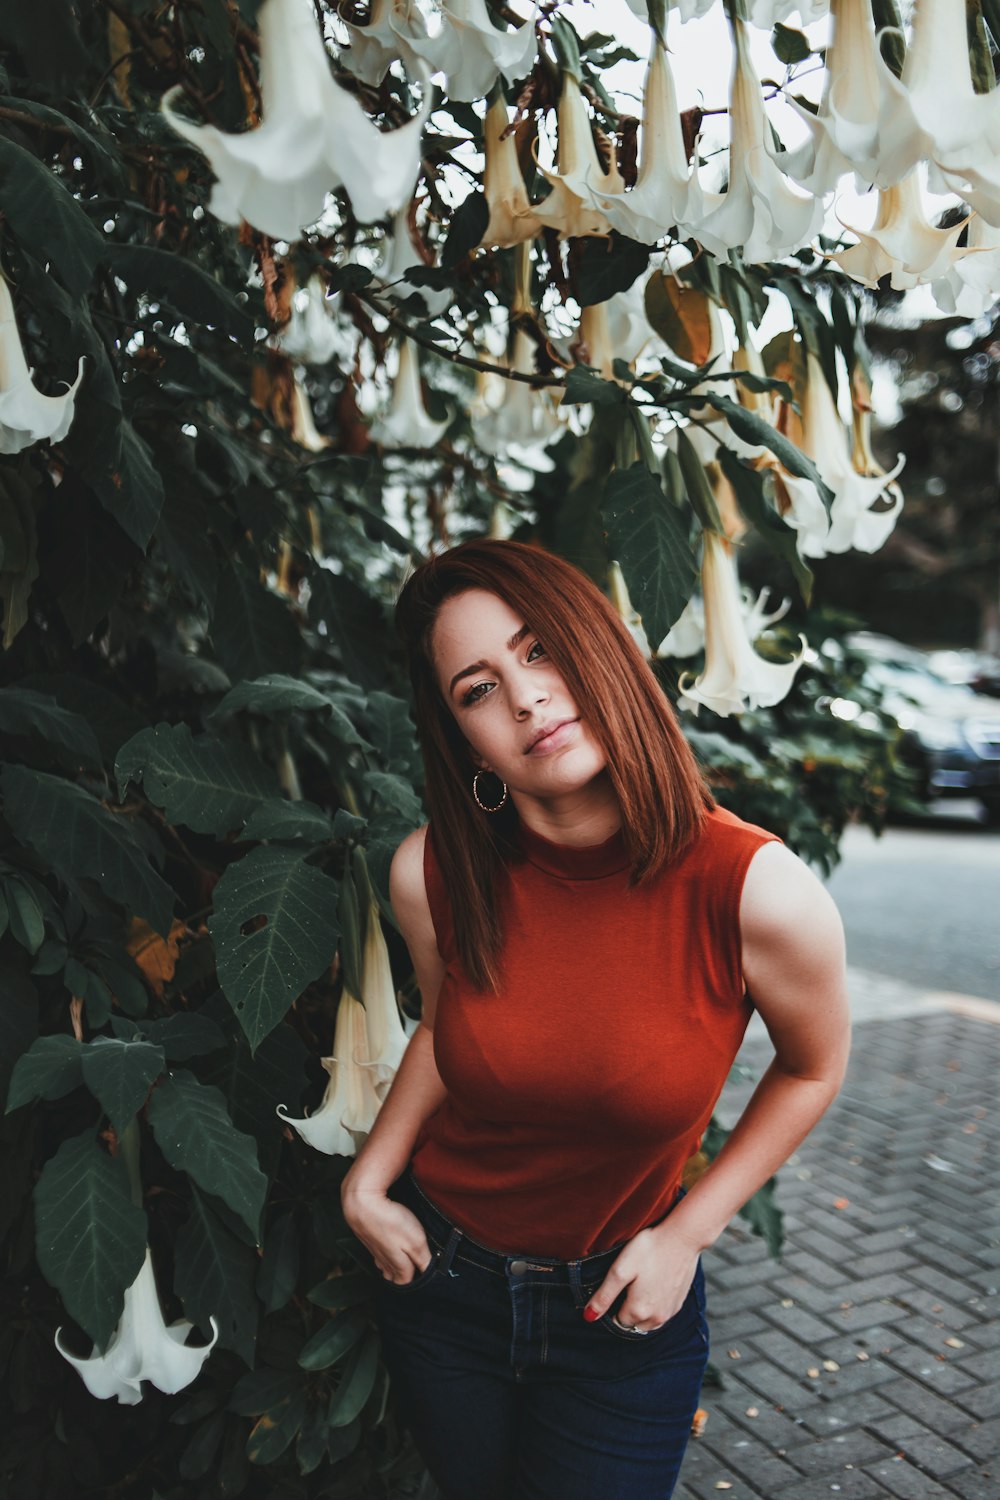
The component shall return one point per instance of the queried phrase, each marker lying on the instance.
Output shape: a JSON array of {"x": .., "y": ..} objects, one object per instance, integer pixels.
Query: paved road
[{"x": 922, "y": 904}]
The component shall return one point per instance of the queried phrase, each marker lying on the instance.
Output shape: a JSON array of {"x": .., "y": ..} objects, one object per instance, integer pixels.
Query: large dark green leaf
[
  {"x": 184, "y": 285},
  {"x": 254, "y": 1083},
  {"x": 280, "y": 819},
  {"x": 270, "y": 695},
  {"x": 214, "y": 1277},
  {"x": 207, "y": 784},
  {"x": 90, "y": 1236},
  {"x": 279, "y": 1266},
  {"x": 183, "y": 1035},
  {"x": 252, "y": 629},
  {"x": 67, "y": 735},
  {"x": 756, "y": 429},
  {"x": 51, "y": 1068},
  {"x": 80, "y": 838},
  {"x": 195, "y": 1134},
  {"x": 584, "y": 385},
  {"x": 129, "y": 486},
  {"x": 648, "y": 536},
  {"x": 41, "y": 211},
  {"x": 18, "y": 1021},
  {"x": 333, "y": 1340},
  {"x": 356, "y": 1382},
  {"x": 602, "y": 267},
  {"x": 120, "y": 1074},
  {"x": 263, "y": 968},
  {"x": 750, "y": 487}
]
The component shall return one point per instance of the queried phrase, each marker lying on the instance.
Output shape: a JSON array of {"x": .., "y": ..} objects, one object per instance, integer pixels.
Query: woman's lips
[{"x": 556, "y": 739}]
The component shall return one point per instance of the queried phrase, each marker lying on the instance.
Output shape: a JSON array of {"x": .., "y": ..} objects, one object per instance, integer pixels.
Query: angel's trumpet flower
[
  {"x": 857, "y": 486},
  {"x": 686, "y": 636},
  {"x": 758, "y": 213},
  {"x": 627, "y": 611},
  {"x": 569, "y": 208},
  {"x": 937, "y": 116},
  {"x": 142, "y": 1347},
  {"x": 512, "y": 219},
  {"x": 844, "y": 136},
  {"x": 406, "y": 424},
  {"x": 902, "y": 244},
  {"x": 394, "y": 31},
  {"x": 399, "y": 255},
  {"x": 735, "y": 677},
  {"x": 384, "y": 1029},
  {"x": 351, "y": 1102},
  {"x": 471, "y": 51},
  {"x": 971, "y": 285},
  {"x": 311, "y": 334},
  {"x": 304, "y": 430},
  {"x": 659, "y": 199},
  {"x": 314, "y": 136},
  {"x": 512, "y": 420},
  {"x": 26, "y": 416}
]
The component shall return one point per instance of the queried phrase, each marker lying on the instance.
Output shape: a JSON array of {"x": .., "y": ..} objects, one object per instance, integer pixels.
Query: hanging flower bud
[
  {"x": 569, "y": 208},
  {"x": 142, "y": 1347},
  {"x": 395, "y": 29},
  {"x": 902, "y": 244},
  {"x": 512, "y": 219},
  {"x": 26, "y": 416},
  {"x": 351, "y": 1101},
  {"x": 311, "y": 333}
]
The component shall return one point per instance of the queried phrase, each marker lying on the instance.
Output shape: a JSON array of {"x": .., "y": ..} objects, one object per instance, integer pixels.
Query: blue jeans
[{"x": 511, "y": 1395}]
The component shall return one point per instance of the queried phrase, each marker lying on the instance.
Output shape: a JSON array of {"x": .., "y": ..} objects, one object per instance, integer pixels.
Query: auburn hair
[{"x": 660, "y": 788}]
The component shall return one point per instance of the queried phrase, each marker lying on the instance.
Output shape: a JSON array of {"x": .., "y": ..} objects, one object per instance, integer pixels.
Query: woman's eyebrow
[{"x": 477, "y": 666}]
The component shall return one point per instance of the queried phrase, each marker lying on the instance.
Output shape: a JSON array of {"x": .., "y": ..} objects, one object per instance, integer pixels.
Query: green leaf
[
  {"x": 393, "y": 792},
  {"x": 281, "y": 819},
  {"x": 337, "y": 1293},
  {"x": 43, "y": 215},
  {"x": 253, "y": 630},
  {"x": 24, "y": 914},
  {"x": 90, "y": 1237},
  {"x": 255, "y": 1082},
  {"x": 648, "y": 536},
  {"x": 130, "y": 487},
  {"x": 209, "y": 785},
  {"x": 18, "y": 1020},
  {"x": 214, "y": 1277},
  {"x": 790, "y": 46},
  {"x": 168, "y": 276},
  {"x": 183, "y": 1035},
  {"x": 696, "y": 486},
  {"x": 79, "y": 838},
  {"x": 51, "y": 1068},
  {"x": 276, "y": 1429},
  {"x": 195, "y": 1134},
  {"x": 349, "y": 278},
  {"x": 66, "y": 735},
  {"x": 755, "y": 429},
  {"x": 259, "y": 1390},
  {"x": 120, "y": 1074},
  {"x": 356, "y": 1382},
  {"x": 585, "y": 385},
  {"x": 468, "y": 225},
  {"x": 273, "y": 694},
  {"x": 279, "y": 1266},
  {"x": 602, "y": 267},
  {"x": 263, "y": 968},
  {"x": 750, "y": 487},
  {"x": 333, "y": 1341}
]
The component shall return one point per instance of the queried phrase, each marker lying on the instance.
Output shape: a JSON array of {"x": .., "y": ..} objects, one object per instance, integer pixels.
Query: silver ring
[{"x": 629, "y": 1327}]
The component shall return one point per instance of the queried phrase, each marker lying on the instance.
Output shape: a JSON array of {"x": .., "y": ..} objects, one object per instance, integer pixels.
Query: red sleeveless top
[{"x": 577, "y": 1094}]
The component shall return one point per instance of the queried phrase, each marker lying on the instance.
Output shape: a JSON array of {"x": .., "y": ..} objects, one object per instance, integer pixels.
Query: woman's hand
[
  {"x": 658, "y": 1267},
  {"x": 394, "y": 1235}
]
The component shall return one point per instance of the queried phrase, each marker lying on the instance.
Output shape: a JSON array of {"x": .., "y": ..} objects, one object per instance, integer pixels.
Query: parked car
[
  {"x": 951, "y": 735},
  {"x": 979, "y": 670}
]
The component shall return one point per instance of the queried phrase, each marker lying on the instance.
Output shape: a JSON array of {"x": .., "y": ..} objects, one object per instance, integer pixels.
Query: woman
[{"x": 587, "y": 929}]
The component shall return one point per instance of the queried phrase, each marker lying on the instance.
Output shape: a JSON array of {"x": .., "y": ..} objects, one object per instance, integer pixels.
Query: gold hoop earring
[{"x": 475, "y": 792}]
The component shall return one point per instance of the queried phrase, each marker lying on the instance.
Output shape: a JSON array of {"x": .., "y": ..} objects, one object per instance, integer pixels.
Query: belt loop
[{"x": 448, "y": 1253}]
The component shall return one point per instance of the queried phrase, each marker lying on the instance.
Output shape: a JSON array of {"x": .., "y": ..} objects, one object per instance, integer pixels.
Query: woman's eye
[
  {"x": 475, "y": 696},
  {"x": 538, "y": 645}
]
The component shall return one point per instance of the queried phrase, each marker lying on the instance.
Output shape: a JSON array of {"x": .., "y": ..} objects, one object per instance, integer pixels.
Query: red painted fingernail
[{"x": 591, "y": 1314}]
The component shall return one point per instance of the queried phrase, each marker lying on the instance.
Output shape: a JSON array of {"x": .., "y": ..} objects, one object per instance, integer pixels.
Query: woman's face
[{"x": 503, "y": 690}]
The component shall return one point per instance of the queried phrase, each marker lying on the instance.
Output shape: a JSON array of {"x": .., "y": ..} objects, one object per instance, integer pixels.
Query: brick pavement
[{"x": 864, "y": 1364}]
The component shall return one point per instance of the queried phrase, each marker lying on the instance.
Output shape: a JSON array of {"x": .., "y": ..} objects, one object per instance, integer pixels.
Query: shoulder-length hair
[{"x": 659, "y": 785}]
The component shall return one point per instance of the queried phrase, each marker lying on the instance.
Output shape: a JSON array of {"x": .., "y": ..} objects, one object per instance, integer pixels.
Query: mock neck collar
[{"x": 572, "y": 861}]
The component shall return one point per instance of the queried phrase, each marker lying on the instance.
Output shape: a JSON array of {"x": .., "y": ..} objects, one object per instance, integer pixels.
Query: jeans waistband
[{"x": 463, "y": 1247}]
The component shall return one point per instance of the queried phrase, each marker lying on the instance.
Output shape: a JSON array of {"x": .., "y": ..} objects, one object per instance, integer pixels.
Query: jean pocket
[
  {"x": 420, "y": 1279},
  {"x": 689, "y": 1315}
]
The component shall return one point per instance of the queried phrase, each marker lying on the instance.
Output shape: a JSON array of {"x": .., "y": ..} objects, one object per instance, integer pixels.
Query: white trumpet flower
[
  {"x": 512, "y": 420},
  {"x": 580, "y": 175},
  {"x": 314, "y": 136},
  {"x": 686, "y": 636},
  {"x": 304, "y": 429},
  {"x": 857, "y": 484},
  {"x": 971, "y": 285},
  {"x": 658, "y": 200},
  {"x": 844, "y": 136},
  {"x": 767, "y": 13},
  {"x": 406, "y": 424},
  {"x": 902, "y": 244},
  {"x": 688, "y": 10},
  {"x": 26, "y": 416},
  {"x": 351, "y": 1102},
  {"x": 142, "y": 1347},
  {"x": 734, "y": 677},
  {"x": 395, "y": 30},
  {"x": 758, "y": 213},
  {"x": 311, "y": 333},
  {"x": 513, "y": 219},
  {"x": 628, "y": 614},
  {"x": 384, "y": 1030},
  {"x": 399, "y": 255},
  {"x": 937, "y": 116},
  {"x": 471, "y": 51}
]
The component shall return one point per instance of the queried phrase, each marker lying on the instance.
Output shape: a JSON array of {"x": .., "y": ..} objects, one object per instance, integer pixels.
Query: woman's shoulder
[
  {"x": 725, "y": 835},
  {"x": 407, "y": 879}
]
